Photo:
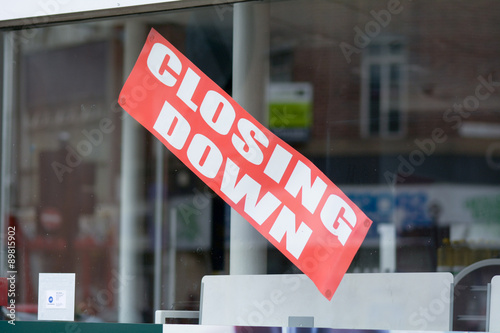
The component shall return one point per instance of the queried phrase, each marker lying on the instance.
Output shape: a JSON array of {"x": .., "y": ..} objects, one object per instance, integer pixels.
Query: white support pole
[
  {"x": 131, "y": 160},
  {"x": 387, "y": 232},
  {"x": 248, "y": 249}
]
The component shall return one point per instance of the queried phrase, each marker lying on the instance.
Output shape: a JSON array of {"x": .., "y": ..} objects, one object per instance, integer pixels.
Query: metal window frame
[{"x": 8, "y": 99}]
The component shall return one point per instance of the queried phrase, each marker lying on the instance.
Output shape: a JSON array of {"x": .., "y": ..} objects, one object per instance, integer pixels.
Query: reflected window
[{"x": 382, "y": 88}]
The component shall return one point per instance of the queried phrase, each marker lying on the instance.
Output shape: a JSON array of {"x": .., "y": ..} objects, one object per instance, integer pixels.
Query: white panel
[
  {"x": 494, "y": 325},
  {"x": 184, "y": 328},
  {"x": 397, "y": 301},
  {"x": 37, "y": 8}
]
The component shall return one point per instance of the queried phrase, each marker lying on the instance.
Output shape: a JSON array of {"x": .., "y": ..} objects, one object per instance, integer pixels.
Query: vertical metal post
[
  {"x": 131, "y": 179},
  {"x": 158, "y": 224},
  {"x": 172, "y": 258},
  {"x": 8, "y": 87},
  {"x": 248, "y": 249}
]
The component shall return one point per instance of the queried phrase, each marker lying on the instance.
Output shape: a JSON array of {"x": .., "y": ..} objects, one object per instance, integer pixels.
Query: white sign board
[
  {"x": 395, "y": 301},
  {"x": 56, "y": 296}
]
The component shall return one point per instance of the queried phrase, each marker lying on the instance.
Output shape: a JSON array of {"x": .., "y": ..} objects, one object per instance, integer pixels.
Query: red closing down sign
[{"x": 276, "y": 189}]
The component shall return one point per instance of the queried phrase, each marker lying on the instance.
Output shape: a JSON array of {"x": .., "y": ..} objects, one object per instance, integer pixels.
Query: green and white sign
[{"x": 290, "y": 110}]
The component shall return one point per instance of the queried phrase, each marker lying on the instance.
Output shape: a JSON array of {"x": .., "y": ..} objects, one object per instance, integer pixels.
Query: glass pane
[
  {"x": 67, "y": 170},
  {"x": 67, "y": 162},
  {"x": 428, "y": 184}
]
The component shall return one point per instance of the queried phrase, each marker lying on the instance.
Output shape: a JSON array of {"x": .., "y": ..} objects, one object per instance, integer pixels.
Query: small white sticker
[{"x": 56, "y": 296}]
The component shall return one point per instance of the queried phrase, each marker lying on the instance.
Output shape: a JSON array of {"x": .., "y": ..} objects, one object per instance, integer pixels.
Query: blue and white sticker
[{"x": 56, "y": 299}]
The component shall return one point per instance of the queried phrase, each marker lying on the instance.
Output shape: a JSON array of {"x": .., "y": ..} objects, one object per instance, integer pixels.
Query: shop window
[{"x": 426, "y": 78}]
